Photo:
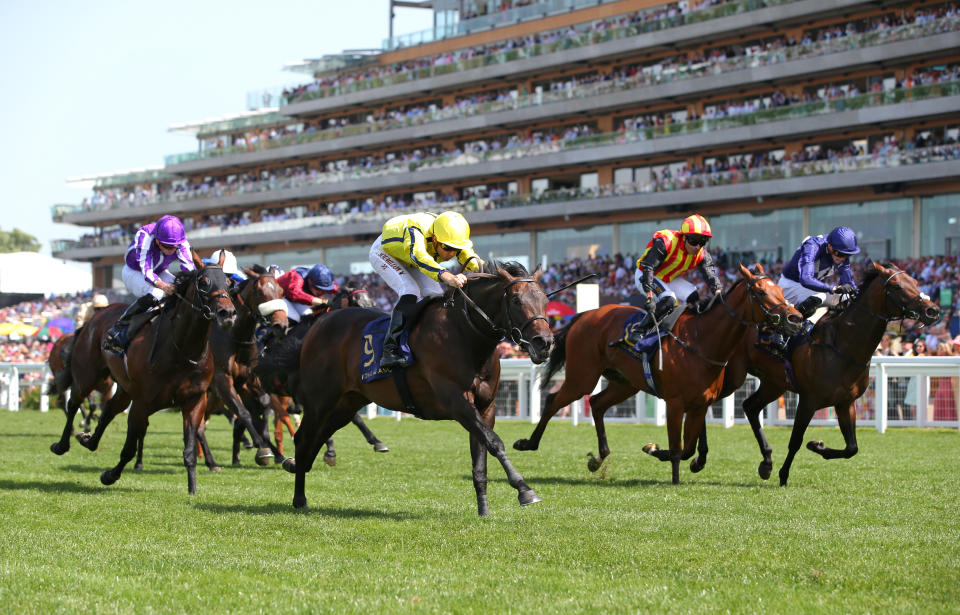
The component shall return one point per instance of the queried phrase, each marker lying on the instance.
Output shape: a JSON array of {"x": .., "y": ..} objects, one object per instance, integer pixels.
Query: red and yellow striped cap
[{"x": 696, "y": 225}]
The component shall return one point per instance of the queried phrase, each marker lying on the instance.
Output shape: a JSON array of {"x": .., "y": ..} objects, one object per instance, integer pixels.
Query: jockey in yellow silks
[
  {"x": 660, "y": 269},
  {"x": 407, "y": 255}
]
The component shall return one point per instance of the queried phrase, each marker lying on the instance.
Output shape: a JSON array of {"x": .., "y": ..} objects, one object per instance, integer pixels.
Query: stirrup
[{"x": 392, "y": 362}]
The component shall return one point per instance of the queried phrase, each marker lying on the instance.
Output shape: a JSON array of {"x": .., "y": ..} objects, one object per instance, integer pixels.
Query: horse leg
[
  {"x": 752, "y": 407},
  {"x": 115, "y": 406},
  {"x": 238, "y": 437},
  {"x": 205, "y": 447},
  {"x": 223, "y": 385},
  {"x": 616, "y": 392},
  {"x": 847, "y": 419},
  {"x": 139, "y": 463},
  {"x": 693, "y": 426},
  {"x": 314, "y": 431},
  {"x": 378, "y": 446},
  {"x": 478, "y": 455},
  {"x": 674, "y": 429},
  {"x": 62, "y": 445},
  {"x": 473, "y": 423},
  {"x": 701, "y": 459},
  {"x": 573, "y": 388},
  {"x": 330, "y": 457},
  {"x": 192, "y": 411},
  {"x": 801, "y": 420},
  {"x": 137, "y": 422}
]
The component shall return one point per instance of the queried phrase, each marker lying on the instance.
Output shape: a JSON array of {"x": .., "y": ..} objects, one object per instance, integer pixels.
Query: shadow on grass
[
  {"x": 172, "y": 468},
  {"x": 619, "y": 483},
  {"x": 287, "y": 509},
  {"x": 59, "y": 487}
]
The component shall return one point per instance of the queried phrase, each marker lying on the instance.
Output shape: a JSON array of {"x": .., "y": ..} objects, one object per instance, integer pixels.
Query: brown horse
[
  {"x": 694, "y": 356},
  {"x": 169, "y": 364},
  {"x": 455, "y": 377},
  {"x": 831, "y": 368},
  {"x": 235, "y": 354},
  {"x": 57, "y": 361}
]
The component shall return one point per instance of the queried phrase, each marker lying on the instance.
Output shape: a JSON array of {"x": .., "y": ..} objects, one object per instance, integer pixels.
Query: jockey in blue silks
[
  {"x": 817, "y": 258},
  {"x": 154, "y": 248}
]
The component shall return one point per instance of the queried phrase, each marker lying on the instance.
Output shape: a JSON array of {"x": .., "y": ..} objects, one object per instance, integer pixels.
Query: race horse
[
  {"x": 168, "y": 364},
  {"x": 279, "y": 368},
  {"x": 830, "y": 368},
  {"x": 58, "y": 365},
  {"x": 689, "y": 380},
  {"x": 455, "y": 376}
]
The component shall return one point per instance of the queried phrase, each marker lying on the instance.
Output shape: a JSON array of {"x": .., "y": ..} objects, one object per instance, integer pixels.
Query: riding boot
[
  {"x": 118, "y": 338},
  {"x": 639, "y": 329},
  {"x": 664, "y": 306},
  {"x": 808, "y": 306},
  {"x": 399, "y": 320}
]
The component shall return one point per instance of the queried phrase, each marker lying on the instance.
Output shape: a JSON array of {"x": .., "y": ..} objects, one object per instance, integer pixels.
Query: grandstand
[{"x": 571, "y": 130}]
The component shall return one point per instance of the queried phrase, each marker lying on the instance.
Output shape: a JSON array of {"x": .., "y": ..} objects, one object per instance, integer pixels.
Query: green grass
[{"x": 399, "y": 533}]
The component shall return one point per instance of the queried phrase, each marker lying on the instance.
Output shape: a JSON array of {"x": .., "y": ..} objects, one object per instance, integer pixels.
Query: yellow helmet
[
  {"x": 452, "y": 229},
  {"x": 696, "y": 225}
]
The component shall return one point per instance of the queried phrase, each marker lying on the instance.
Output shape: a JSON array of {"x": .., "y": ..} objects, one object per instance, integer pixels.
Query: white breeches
[
  {"x": 403, "y": 279},
  {"x": 138, "y": 286}
]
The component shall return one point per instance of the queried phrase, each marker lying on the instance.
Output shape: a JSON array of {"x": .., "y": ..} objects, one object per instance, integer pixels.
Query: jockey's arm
[
  {"x": 469, "y": 259},
  {"x": 709, "y": 272},
  {"x": 649, "y": 262},
  {"x": 420, "y": 258},
  {"x": 185, "y": 256}
]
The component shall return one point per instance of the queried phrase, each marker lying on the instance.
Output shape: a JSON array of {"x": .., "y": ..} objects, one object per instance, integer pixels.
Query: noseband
[
  {"x": 201, "y": 297},
  {"x": 772, "y": 318},
  {"x": 511, "y": 331}
]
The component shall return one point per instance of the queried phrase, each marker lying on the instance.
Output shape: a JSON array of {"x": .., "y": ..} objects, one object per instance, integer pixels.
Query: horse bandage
[{"x": 269, "y": 307}]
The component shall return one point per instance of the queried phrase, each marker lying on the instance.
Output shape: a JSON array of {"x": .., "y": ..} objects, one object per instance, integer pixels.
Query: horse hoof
[
  {"x": 236, "y": 463},
  {"x": 300, "y": 502},
  {"x": 290, "y": 465},
  {"x": 816, "y": 446},
  {"x": 594, "y": 463},
  {"x": 765, "y": 469},
  {"x": 60, "y": 448},
  {"x": 107, "y": 478},
  {"x": 278, "y": 460},
  {"x": 330, "y": 460},
  {"x": 216, "y": 469},
  {"x": 522, "y": 445},
  {"x": 528, "y": 497},
  {"x": 138, "y": 466},
  {"x": 84, "y": 440},
  {"x": 380, "y": 447},
  {"x": 264, "y": 455},
  {"x": 650, "y": 448},
  {"x": 696, "y": 465}
]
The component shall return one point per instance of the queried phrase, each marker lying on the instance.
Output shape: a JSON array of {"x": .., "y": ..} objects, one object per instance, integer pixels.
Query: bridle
[
  {"x": 200, "y": 301},
  {"x": 511, "y": 331},
  {"x": 770, "y": 317},
  {"x": 905, "y": 310}
]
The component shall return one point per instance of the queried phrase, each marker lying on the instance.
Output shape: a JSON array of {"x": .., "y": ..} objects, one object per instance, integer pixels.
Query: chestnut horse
[
  {"x": 832, "y": 368},
  {"x": 694, "y": 356},
  {"x": 455, "y": 377},
  {"x": 168, "y": 364},
  {"x": 57, "y": 361}
]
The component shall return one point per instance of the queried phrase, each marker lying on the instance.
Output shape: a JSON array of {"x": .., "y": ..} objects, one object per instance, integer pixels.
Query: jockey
[
  {"x": 230, "y": 267},
  {"x": 818, "y": 257},
  {"x": 407, "y": 256},
  {"x": 305, "y": 288},
  {"x": 154, "y": 247},
  {"x": 87, "y": 310},
  {"x": 668, "y": 256}
]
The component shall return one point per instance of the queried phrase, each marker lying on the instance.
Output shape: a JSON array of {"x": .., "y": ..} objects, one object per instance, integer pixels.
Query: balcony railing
[
  {"x": 648, "y": 78},
  {"x": 520, "y": 53},
  {"x": 811, "y": 109},
  {"x": 783, "y": 170}
]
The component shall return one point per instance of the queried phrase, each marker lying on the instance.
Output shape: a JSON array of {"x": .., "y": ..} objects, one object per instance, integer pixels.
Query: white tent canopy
[{"x": 35, "y": 273}]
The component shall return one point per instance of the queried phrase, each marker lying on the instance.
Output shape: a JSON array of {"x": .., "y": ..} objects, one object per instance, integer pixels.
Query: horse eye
[
  {"x": 204, "y": 283},
  {"x": 516, "y": 300}
]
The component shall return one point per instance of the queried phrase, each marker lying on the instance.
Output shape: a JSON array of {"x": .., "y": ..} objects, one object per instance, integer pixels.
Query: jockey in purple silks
[
  {"x": 815, "y": 260},
  {"x": 154, "y": 248}
]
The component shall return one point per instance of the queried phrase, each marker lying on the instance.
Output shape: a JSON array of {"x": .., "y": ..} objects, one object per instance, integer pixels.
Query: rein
[
  {"x": 514, "y": 333},
  {"x": 204, "y": 310}
]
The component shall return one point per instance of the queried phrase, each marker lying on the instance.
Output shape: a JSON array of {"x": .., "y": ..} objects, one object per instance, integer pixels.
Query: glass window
[
  {"x": 764, "y": 237},
  {"x": 588, "y": 180},
  {"x": 349, "y": 260},
  {"x": 634, "y": 236},
  {"x": 940, "y": 221},
  {"x": 289, "y": 259},
  {"x": 504, "y": 247},
  {"x": 623, "y": 176},
  {"x": 884, "y": 228},
  {"x": 561, "y": 245}
]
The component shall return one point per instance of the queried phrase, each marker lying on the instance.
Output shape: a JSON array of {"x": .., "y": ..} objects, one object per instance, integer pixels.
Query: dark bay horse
[
  {"x": 693, "y": 362},
  {"x": 832, "y": 368},
  {"x": 169, "y": 364},
  {"x": 455, "y": 377},
  {"x": 280, "y": 366}
]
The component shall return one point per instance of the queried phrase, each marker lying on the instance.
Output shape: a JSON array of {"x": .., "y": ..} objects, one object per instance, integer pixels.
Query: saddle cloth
[
  {"x": 372, "y": 339},
  {"x": 644, "y": 349}
]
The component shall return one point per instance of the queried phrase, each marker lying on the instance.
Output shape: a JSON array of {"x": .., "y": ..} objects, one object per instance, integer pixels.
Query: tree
[{"x": 18, "y": 241}]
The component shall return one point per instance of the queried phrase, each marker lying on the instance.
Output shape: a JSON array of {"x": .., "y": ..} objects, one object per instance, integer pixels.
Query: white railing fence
[{"x": 911, "y": 391}]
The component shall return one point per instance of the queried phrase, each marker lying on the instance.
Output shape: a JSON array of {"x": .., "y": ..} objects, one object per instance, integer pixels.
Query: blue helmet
[
  {"x": 843, "y": 240},
  {"x": 320, "y": 277}
]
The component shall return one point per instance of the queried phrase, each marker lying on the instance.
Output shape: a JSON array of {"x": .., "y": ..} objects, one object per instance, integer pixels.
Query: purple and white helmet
[{"x": 169, "y": 231}]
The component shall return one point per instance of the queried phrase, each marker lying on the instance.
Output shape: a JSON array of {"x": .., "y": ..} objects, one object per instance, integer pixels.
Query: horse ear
[
  {"x": 250, "y": 273},
  {"x": 537, "y": 273},
  {"x": 745, "y": 272},
  {"x": 759, "y": 269},
  {"x": 223, "y": 257},
  {"x": 198, "y": 263}
]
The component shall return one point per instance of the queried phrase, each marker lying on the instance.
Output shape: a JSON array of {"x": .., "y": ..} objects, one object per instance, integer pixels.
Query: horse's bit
[{"x": 512, "y": 331}]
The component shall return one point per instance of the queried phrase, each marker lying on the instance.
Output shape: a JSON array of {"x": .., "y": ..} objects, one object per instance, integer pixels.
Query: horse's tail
[
  {"x": 62, "y": 381},
  {"x": 281, "y": 360},
  {"x": 558, "y": 356}
]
